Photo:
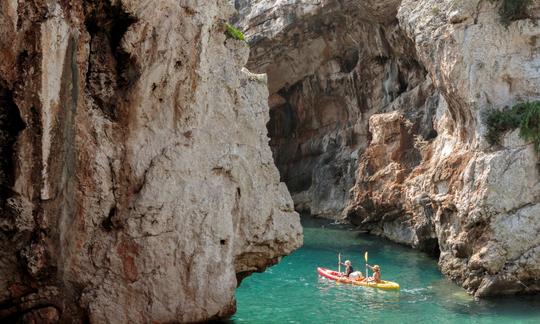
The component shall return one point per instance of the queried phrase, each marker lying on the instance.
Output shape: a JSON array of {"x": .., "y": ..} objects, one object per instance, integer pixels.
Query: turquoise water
[{"x": 292, "y": 292}]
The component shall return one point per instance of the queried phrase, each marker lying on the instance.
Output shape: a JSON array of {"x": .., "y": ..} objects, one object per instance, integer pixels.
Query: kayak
[{"x": 334, "y": 275}]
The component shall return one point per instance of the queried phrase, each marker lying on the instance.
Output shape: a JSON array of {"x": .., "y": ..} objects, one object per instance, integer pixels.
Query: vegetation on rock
[
  {"x": 234, "y": 33},
  {"x": 526, "y": 116}
]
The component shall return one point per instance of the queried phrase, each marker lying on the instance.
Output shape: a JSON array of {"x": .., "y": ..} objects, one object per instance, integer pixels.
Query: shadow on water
[{"x": 292, "y": 292}]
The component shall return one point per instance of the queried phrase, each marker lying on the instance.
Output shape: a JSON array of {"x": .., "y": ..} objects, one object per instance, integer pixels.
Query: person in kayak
[
  {"x": 350, "y": 273},
  {"x": 376, "y": 274},
  {"x": 348, "y": 268}
]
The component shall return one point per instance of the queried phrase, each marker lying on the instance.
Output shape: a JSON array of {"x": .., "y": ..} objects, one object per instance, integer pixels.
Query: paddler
[
  {"x": 348, "y": 268},
  {"x": 350, "y": 273},
  {"x": 376, "y": 274}
]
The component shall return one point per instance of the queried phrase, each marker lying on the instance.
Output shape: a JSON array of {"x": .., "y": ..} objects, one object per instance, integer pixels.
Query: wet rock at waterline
[
  {"x": 137, "y": 184},
  {"x": 377, "y": 116}
]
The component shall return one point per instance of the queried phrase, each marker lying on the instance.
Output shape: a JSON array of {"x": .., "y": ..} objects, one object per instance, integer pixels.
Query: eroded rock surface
[
  {"x": 331, "y": 65},
  {"x": 484, "y": 198},
  {"x": 137, "y": 184},
  {"x": 390, "y": 95}
]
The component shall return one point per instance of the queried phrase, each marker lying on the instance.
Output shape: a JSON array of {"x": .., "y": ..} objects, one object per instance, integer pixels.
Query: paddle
[
  {"x": 366, "y": 258},
  {"x": 339, "y": 263},
  {"x": 339, "y": 267}
]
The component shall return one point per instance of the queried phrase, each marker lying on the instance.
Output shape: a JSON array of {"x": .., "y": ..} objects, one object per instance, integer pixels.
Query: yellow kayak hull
[
  {"x": 334, "y": 275},
  {"x": 386, "y": 285}
]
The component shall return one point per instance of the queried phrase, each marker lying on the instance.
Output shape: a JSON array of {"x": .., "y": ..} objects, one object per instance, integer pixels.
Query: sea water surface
[{"x": 292, "y": 292}]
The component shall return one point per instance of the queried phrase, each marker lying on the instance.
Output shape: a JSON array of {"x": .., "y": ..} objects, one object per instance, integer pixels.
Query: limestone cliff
[
  {"x": 389, "y": 95},
  {"x": 330, "y": 65},
  {"x": 137, "y": 184}
]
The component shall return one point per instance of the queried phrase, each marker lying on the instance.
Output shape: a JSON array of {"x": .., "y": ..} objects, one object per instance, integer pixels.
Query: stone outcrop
[
  {"x": 484, "y": 199},
  {"x": 137, "y": 184},
  {"x": 331, "y": 65},
  {"x": 391, "y": 95}
]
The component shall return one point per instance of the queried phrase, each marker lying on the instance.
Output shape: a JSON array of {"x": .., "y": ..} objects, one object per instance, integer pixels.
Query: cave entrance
[
  {"x": 350, "y": 106},
  {"x": 313, "y": 142}
]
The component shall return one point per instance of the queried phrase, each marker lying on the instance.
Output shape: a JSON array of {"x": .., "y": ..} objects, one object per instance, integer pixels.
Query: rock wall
[
  {"x": 482, "y": 200},
  {"x": 137, "y": 184},
  {"x": 330, "y": 65},
  {"x": 402, "y": 116}
]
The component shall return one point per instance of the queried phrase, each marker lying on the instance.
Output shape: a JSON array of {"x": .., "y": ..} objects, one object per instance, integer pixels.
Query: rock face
[
  {"x": 390, "y": 95},
  {"x": 330, "y": 66},
  {"x": 137, "y": 184},
  {"x": 484, "y": 199}
]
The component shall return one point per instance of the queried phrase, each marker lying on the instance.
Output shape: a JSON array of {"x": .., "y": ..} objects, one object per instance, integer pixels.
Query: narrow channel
[{"x": 292, "y": 292}]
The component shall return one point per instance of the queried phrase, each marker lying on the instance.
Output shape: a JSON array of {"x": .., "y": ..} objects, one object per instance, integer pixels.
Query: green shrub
[
  {"x": 530, "y": 123},
  {"x": 511, "y": 10},
  {"x": 499, "y": 122},
  {"x": 234, "y": 33},
  {"x": 526, "y": 116}
]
